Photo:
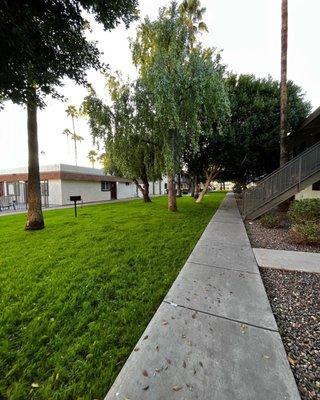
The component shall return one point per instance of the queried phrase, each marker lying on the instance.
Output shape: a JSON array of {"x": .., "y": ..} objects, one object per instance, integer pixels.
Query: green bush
[
  {"x": 271, "y": 221},
  {"x": 304, "y": 210},
  {"x": 304, "y": 216},
  {"x": 307, "y": 232}
]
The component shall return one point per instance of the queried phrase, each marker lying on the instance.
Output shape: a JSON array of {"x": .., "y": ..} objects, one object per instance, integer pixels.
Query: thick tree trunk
[
  {"x": 172, "y": 198},
  {"x": 283, "y": 85},
  {"x": 179, "y": 192},
  {"x": 34, "y": 217}
]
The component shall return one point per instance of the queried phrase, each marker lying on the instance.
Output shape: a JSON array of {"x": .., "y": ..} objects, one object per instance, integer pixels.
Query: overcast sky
[{"x": 248, "y": 31}]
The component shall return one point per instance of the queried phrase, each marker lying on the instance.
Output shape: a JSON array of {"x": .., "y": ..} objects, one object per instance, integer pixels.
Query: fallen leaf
[
  {"x": 35, "y": 385},
  {"x": 184, "y": 364},
  {"x": 145, "y": 373},
  {"x": 136, "y": 349},
  {"x": 194, "y": 315},
  {"x": 164, "y": 322},
  {"x": 145, "y": 387},
  {"x": 146, "y": 337},
  {"x": 176, "y": 388},
  {"x": 168, "y": 361},
  {"x": 266, "y": 356},
  {"x": 243, "y": 328},
  {"x": 200, "y": 363},
  {"x": 291, "y": 360}
]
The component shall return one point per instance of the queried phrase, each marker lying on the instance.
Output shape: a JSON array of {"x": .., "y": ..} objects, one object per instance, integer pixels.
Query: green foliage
[
  {"x": 125, "y": 130},
  {"x": 186, "y": 89},
  {"x": 305, "y": 210},
  {"x": 305, "y": 218},
  {"x": 42, "y": 42},
  {"x": 271, "y": 220},
  {"x": 307, "y": 232},
  {"x": 251, "y": 146},
  {"x": 74, "y": 308}
]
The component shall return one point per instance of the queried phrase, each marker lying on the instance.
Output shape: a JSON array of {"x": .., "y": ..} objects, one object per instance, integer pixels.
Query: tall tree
[
  {"x": 125, "y": 131},
  {"x": 179, "y": 82},
  {"x": 284, "y": 86},
  {"x": 250, "y": 146},
  {"x": 42, "y": 42},
  {"x": 74, "y": 114}
]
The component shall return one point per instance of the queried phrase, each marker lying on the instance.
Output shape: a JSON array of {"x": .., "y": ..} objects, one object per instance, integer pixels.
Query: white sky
[{"x": 248, "y": 31}]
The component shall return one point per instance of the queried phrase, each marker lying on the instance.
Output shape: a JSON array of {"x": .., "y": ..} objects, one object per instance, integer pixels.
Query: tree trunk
[
  {"x": 196, "y": 188},
  {"x": 172, "y": 198},
  {"x": 283, "y": 85},
  {"x": 284, "y": 207},
  {"x": 143, "y": 189},
  {"x": 34, "y": 216},
  {"x": 179, "y": 192},
  {"x": 210, "y": 177},
  {"x": 192, "y": 186}
]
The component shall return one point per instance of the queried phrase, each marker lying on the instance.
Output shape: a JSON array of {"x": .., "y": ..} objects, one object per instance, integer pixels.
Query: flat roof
[{"x": 63, "y": 172}]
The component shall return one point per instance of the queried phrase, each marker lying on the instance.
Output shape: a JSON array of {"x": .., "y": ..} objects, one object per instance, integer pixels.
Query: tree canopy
[
  {"x": 41, "y": 42},
  {"x": 251, "y": 144}
]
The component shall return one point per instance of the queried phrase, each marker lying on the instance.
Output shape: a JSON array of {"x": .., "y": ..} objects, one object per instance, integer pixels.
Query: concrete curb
[{"x": 288, "y": 260}]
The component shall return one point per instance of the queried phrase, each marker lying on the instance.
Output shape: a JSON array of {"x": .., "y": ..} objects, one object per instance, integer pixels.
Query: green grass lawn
[{"x": 75, "y": 297}]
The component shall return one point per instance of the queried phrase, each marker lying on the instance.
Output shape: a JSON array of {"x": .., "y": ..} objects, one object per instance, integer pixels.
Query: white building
[{"x": 60, "y": 181}]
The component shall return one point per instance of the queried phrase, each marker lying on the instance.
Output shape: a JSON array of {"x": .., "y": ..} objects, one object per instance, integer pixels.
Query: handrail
[
  {"x": 281, "y": 180},
  {"x": 285, "y": 165}
]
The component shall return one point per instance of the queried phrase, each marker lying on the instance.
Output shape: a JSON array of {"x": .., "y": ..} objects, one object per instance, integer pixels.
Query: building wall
[
  {"x": 308, "y": 193},
  {"x": 126, "y": 191},
  {"x": 89, "y": 191},
  {"x": 55, "y": 192}
]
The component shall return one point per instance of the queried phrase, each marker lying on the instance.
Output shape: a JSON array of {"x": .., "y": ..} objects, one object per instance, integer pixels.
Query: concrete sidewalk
[
  {"x": 214, "y": 336},
  {"x": 288, "y": 260}
]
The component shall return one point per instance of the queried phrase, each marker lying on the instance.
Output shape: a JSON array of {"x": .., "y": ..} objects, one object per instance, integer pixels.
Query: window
[
  {"x": 105, "y": 186},
  {"x": 127, "y": 183},
  {"x": 165, "y": 186},
  {"x": 316, "y": 186}
]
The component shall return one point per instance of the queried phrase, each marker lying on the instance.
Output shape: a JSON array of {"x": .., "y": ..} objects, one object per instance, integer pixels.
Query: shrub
[
  {"x": 307, "y": 232},
  {"x": 304, "y": 216},
  {"x": 304, "y": 210},
  {"x": 271, "y": 221}
]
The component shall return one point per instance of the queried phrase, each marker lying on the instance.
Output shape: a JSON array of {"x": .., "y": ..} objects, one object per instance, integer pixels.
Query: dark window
[
  {"x": 105, "y": 186},
  {"x": 166, "y": 186},
  {"x": 127, "y": 183},
  {"x": 316, "y": 186}
]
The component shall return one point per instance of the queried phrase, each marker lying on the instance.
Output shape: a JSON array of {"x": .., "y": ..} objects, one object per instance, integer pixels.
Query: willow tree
[
  {"x": 41, "y": 43},
  {"x": 186, "y": 92},
  {"x": 125, "y": 130}
]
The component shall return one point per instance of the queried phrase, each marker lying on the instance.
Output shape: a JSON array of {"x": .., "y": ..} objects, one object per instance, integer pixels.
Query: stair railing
[{"x": 284, "y": 178}]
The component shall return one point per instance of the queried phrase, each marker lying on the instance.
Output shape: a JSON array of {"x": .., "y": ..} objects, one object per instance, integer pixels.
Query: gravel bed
[
  {"x": 295, "y": 301},
  {"x": 277, "y": 239}
]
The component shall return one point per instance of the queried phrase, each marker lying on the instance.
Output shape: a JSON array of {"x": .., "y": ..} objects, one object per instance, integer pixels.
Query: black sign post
[{"x": 75, "y": 199}]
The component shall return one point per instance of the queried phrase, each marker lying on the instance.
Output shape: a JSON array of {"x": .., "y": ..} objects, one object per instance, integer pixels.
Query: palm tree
[
  {"x": 283, "y": 84},
  {"x": 92, "y": 156},
  {"x": 74, "y": 114}
]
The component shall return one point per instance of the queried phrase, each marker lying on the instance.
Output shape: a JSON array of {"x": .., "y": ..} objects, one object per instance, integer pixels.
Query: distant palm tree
[
  {"x": 92, "y": 156},
  {"x": 283, "y": 85},
  {"x": 74, "y": 114}
]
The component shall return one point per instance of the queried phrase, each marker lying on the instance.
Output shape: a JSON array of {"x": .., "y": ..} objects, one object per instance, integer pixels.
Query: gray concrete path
[
  {"x": 214, "y": 336},
  {"x": 289, "y": 260}
]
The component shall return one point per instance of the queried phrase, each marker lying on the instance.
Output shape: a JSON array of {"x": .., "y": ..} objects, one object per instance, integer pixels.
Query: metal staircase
[{"x": 296, "y": 175}]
